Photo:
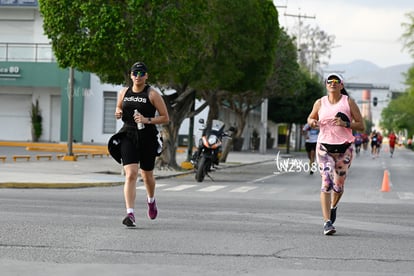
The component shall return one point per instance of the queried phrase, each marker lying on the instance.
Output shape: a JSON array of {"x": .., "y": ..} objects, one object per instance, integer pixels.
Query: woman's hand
[
  {"x": 118, "y": 113},
  {"x": 314, "y": 123},
  {"x": 339, "y": 122},
  {"x": 138, "y": 118}
]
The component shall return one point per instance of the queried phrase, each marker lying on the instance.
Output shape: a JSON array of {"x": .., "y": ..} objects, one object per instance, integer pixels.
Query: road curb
[
  {"x": 67, "y": 185},
  {"x": 77, "y": 185}
]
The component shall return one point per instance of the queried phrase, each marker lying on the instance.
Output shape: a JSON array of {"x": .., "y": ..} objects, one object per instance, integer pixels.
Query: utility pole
[
  {"x": 299, "y": 17},
  {"x": 298, "y": 132},
  {"x": 263, "y": 130},
  {"x": 69, "y": 155}
]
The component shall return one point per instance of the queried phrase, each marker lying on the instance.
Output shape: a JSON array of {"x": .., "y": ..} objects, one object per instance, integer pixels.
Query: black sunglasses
[{"x": 138, "y": 73}]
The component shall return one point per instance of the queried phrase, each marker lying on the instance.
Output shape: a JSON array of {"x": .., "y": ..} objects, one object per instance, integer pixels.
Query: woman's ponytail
[{"x": 343, "y": 92}]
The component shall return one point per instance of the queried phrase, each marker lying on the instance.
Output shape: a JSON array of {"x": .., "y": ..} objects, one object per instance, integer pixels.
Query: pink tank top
[{"x": 329, "y": 133}]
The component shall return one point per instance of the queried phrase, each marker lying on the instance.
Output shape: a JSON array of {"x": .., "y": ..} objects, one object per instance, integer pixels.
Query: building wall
[
  {"x": 22, "y": 83},
  {"x": 94, "y": 109}
]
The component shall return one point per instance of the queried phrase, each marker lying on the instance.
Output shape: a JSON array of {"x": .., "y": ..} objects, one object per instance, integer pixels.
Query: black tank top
[{"x": 139, "y": 101}]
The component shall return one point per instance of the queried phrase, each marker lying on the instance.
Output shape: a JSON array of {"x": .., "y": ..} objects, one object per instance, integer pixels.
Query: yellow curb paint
[
  {"x": 187, "y": 165},
  {"x": 69, "y": 158}
]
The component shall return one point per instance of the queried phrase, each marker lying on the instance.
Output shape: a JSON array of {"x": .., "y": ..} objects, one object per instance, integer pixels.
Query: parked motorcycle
[{"x": 209, "y": 149}]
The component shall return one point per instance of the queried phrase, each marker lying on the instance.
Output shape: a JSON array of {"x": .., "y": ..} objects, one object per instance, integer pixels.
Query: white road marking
[
  {"x": 243, "y": 189},
  {"x": 405, "y": 195},
  {"x": 263, "y": 178},
  {"x": 180, "y": 188},
  {"x": 212, "y": 188},
  {"x": 157, "y": 185}
]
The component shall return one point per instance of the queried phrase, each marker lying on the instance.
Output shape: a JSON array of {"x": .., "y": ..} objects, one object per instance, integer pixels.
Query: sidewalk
[{"x": 97, "y": 172}]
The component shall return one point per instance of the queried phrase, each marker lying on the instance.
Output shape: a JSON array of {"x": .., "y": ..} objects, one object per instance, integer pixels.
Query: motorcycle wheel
[{"x": 201, "y": 169}]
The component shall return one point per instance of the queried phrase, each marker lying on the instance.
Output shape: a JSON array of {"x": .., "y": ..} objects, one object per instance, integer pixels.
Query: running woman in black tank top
[{"x": 139, "y": 147}]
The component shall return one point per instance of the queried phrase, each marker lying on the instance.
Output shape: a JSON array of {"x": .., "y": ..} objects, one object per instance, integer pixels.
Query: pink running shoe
[
  {"x": 129, "y": 220},
  {"x": 152, "y": 210}
]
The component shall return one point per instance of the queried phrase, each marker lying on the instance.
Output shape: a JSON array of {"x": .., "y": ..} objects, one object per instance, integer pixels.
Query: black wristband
[{"x": 348, "y": 124}]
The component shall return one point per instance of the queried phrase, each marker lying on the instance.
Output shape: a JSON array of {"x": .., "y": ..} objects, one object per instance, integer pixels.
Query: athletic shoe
[
  {"x": 328, "y": 228},
  {"x": 333, "y": 214},
  {"x": 129, "y": 220},
  {"x": 152, "y": 210}
]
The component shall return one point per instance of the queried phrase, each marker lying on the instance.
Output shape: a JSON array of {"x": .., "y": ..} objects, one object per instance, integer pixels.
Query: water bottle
[{"x": 139, "y": 125}]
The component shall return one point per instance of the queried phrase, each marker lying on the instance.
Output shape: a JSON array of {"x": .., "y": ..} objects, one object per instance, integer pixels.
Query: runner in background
[
  {"x": 358, "y": 142},
  {"x": 374, "y": 141},
  {"x": 392, "y": 138},
  {"x": 365, "y": 140},
  {"x": 410, "y": 143},
  {"x": 311, "y": 137},
  {"x": 379, "y": 142}
]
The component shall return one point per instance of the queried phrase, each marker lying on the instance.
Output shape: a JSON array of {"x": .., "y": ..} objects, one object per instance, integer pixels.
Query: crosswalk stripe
[
  {"x": 143, "y": 187},
  {"x": 180, "y": 188},
  {"x": 243, "y": 189},
  {"x": 212, "y": 188},
  {"x": 405, "y": 195},
  {"x": 263, "y": 178}
]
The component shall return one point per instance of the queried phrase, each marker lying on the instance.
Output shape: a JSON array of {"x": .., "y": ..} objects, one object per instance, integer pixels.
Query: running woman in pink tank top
[{"x": 336, "y": 115}]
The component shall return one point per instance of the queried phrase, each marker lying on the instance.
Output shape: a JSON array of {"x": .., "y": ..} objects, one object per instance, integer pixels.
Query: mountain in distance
[
  {"x": 354, "y": 68},
  {"x": 362, "y": 71}
]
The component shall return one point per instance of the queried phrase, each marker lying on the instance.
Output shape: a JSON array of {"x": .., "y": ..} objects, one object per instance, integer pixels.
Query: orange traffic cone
[{"x": 385, "y": 182}]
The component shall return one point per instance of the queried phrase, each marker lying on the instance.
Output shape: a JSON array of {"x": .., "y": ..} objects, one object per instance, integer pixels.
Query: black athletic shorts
[
  {"x": 310, "y": 146},
  {"x": 145, "y": 154}
]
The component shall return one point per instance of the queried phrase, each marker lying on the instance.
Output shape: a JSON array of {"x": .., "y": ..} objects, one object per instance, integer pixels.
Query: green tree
[
  {"x": 243, "y": 51},
  {"x": 106, "y": 37},
  {"x": 243, "y": 38},
  {"x": 295, "y": 108},
  {"x": 281, "y": 82},
  {"x": 408, "y": 36},
  {"x": 179, "y": 41},
  {"x": 399, "y": 114}
]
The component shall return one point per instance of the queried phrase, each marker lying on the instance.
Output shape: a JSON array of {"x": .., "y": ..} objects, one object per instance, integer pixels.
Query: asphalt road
[{"x": 251, "y": 220}]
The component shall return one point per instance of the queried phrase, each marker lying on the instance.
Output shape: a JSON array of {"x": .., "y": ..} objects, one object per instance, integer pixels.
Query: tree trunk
[
  {"x": 240, "y": 125},
  {"x": 213, "y": 100},
  {"x": 288, "y": 138},
  {"x": 226, "y": 150},
  {"x": 168, "y": 156},
  {"x": 179, "y": 108}
]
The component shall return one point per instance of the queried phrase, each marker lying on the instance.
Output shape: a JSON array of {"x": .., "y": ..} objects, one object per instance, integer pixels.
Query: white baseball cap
[{"x": 336, "y": 75}]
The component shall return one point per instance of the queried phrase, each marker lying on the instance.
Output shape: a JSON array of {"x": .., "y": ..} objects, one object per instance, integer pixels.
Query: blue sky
[{"x": 364, "y": 29}]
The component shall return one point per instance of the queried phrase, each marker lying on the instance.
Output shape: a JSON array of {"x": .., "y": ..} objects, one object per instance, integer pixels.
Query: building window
[{"x": 109, "y": 120}]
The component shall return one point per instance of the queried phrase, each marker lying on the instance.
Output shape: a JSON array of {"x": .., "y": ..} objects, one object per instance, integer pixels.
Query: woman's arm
[
  {"x": 118, "y": 109},
  {"x": 313, "y": 116},
  {"x": 158, "y": 102}
]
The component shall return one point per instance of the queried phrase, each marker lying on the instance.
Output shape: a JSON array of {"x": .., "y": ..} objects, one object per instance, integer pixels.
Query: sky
[{"x": 364, "y": 29}]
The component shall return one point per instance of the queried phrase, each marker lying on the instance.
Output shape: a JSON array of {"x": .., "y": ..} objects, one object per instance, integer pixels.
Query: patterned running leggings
[{"x": 333, "y": 168}]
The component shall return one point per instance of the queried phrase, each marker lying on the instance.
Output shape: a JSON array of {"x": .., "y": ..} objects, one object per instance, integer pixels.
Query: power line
[{"x": 299, "y": 17}]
